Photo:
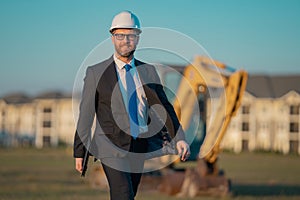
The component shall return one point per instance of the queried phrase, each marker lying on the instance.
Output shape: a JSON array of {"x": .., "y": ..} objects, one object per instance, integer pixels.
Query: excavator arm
[{"x": 200, "y": 77}]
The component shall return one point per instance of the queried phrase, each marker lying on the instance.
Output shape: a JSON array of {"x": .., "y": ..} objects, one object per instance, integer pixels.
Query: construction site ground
[{"x": 49, "y": 174}]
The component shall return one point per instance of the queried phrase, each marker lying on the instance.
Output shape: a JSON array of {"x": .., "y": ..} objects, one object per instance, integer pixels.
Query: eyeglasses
[{"x": 120, "y": 36}]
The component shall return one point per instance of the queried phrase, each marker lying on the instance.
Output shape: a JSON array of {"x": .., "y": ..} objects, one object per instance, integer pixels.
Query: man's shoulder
[
  {"x": 144, "y": 66},
  {"x": 147, "y": 72},
  {"x": 139, "y": 62},
  {"x": 101, "y": 65}
]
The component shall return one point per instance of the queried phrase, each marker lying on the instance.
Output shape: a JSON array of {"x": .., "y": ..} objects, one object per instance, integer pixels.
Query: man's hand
[
  {"x": 78, "y": 164},
  {"x": 183, "y": 150}
]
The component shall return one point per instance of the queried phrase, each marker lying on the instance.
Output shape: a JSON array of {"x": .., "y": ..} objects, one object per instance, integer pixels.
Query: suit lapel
[
  {"x": 111, "y": 80},
  {"x": 110, "y": 75},
  {"x": 117, "y": 103},
  {"x": 148, "y": 85}
]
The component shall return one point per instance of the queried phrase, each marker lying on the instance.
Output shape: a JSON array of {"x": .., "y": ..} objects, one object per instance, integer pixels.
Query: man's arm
[
  {"x": 85, "y": 119},
  {"x": 181, "y": 144}
]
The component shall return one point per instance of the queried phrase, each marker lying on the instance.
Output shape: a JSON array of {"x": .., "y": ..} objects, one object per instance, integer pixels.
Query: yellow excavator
[{"x": 215, "y": 90}]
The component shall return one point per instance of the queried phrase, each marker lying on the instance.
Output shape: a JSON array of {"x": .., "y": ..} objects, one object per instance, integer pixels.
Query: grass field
[{"x": 48, "y": 174}]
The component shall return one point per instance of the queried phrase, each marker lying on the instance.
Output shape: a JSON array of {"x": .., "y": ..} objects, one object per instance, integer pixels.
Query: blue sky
[{"x": 43, "y": 43}]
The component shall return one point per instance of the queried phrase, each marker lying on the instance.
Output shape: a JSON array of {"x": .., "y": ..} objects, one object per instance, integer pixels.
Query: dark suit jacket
[{"x": 101, "y": 95}]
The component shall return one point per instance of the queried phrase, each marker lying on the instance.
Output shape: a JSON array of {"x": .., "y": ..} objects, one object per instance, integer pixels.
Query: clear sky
[{"x": 43, "y": 43}]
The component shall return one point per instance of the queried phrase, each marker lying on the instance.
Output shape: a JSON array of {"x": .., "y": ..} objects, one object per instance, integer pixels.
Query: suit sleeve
[
  {"x": 86, "y": 115},
  {"x": 172, "y": 120}
]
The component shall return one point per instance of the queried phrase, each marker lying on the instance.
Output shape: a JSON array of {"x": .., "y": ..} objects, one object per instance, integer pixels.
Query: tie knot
[{"x": 127, "y": 67}]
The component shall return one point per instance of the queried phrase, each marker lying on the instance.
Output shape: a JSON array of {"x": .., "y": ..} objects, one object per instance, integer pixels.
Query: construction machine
[{"x": 215, "y": 90}]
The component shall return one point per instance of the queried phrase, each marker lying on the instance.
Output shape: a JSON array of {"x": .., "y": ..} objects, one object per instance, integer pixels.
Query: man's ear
[{"x": 112, "y": 39}]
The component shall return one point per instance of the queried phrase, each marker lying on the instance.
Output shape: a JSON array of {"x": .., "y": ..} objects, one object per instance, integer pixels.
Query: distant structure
[
  {"x": 46, "y": 120},
  {"x": 268, "y": 119},
  {"x": 269, "y": 116}
]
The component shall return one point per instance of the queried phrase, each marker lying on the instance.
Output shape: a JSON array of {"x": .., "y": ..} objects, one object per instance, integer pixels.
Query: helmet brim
[{"x": 113, "y": 29}]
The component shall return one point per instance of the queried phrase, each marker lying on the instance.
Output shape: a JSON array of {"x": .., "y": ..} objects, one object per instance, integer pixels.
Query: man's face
[{"x": 125, "y": 41}]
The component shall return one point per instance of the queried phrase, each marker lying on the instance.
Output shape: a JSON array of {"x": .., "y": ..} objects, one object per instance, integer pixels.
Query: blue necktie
[{"x": 132, "y": 103}]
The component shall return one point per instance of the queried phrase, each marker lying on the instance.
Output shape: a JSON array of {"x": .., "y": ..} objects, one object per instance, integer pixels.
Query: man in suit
[{"x": 122, "y": 92}]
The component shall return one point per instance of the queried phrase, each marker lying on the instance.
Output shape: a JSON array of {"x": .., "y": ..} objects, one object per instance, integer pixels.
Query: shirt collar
[{"x": 120, "y": 64}]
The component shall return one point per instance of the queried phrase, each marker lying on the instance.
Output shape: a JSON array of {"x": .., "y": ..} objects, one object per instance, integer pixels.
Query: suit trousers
[{"x": 124, "y": 174}]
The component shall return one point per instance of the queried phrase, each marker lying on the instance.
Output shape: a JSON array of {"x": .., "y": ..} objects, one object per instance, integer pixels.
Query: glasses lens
[
  {"x": 119, "y": 36},
  {"x": 132, "y": 36}
]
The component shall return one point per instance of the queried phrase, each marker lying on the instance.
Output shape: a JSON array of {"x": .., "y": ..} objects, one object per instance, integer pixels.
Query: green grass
[
  {"x": 263, "y": 175},
  {"x": 49, "y": 174}
]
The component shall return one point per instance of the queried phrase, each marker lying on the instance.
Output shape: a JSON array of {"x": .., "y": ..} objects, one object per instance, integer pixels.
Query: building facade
[
  {"x": 269, "y": 116},
  {"x": 46, "y": 120}
]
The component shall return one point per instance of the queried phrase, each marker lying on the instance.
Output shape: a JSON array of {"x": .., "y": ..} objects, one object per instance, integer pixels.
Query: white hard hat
[{"x": 125, "y": 19}]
